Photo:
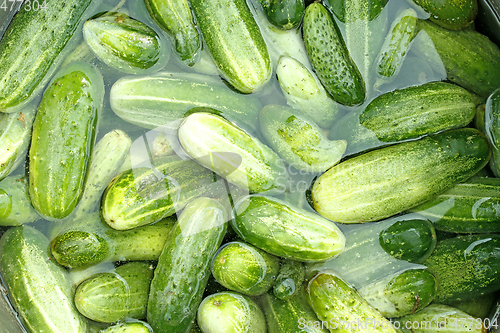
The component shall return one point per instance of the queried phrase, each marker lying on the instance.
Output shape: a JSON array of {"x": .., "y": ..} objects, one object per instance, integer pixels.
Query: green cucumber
[
  {"x": 371, "y": 10},
  {"x": 184, "y": 266},
  {"x": 470, "y": 59},
  {"x": 114, "y": 296},
  {"x": 15, "y": 206},
  {"x": 15, "y": 136},
  {"x": 390, "y": 180},
  {"x": 298, "y": 140},
  {"x": 156, "y": 100},
  {"x": 235, "y": 42},
  {"x": 341, "y": 307},
  {"x": 129, "y": 327},
  {"x": 176, "y": 19},
  {"x": 465, "y": 267},
  {"x": 34, "y": 45},
  {"x": 492, "y": 129},
  {"x": 89, "y": 241},
  {"x": 288, "y": 232},
  {"x": 230, "y": 312},
  {"x": 63, "y": 138},
  {"x": 124, "y": 43},
  {"x": 329, "y": 57},
  {"x": 39, "y": 289},
  {"x": 284, "y": 14},
  {"x": 290, "y": 279},
  {"x": 401, "y": 293},
  {"x": 478, "y": 307},
  {"x": 469, "y": 207},
  {"x": 303, "y": 91},
  {"x": 452, "y": 15},
  {"x": 232, "y": 153},
  {"x": 245, "y": 269}
]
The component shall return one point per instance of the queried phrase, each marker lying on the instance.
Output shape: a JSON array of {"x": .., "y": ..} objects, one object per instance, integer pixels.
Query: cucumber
[
  {"x": 372, "y": 9},
  {"x": 176, "y": 19},
  {"x": 245, "y": 269},
  {"x": 152, "y": 101},
  {"x": 341, "y": 307},
  {"x": 470, "y": 59},
  {"x": 284, "y": 14},
  {"x": 468, "y": 207},
  {"x": 15, "y": 136},
  {"x": 303, "y": 91},
  {"x": 39, "y": 289},
  {"x": 290, "y": 279},
  {"x": 63, "y": 138},
  {"x": 89, "y": 241},
  {"x": 452, "y": 15},
  {"x": 129, "y": 327},
  {"x": 34, "y": 45},
  {"x": 230, "y": 312},
  {"x": 15, "y": 206},
  {"x": 402, "y": 293},
  {"x": 390, "y": 180},
  {"x": 232, "y": 153},
  {"x": 235, "y": 42},
  {"x": 492, "y": 129},
  {"x": 114, "y": 296},
  {"x": 179, "y": 279},
  {"x": 124, "y": 43},
  {"x": 329, "y": 57},
  {"x": 298, "y": 140},
  {"x": 465, "y": 267},
  {"x": 285, "y": 231},
  {"x": 478, "y": 307}
]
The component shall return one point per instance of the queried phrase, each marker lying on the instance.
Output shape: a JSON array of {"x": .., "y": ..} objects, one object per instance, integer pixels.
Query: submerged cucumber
[
  {"x": 492, "y": 129},
  {"x": 15, "y": 206},
  {"x": 284, "y": 14},
  {"x": 290, "y": 279}
]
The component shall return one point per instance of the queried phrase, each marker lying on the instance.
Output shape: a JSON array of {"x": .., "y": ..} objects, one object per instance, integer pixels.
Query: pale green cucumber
[
  {"x": 298, "y": 140},
  {"x": 231, "y": 152},
  {"x": 303, "y": 91},
  {"x": 235, "y": 42},
  {"x": 492, "y": 129},
  {"x": 81, "y": 52},
  {"x": 129, "y": 327},
  {"x": 63, "y": 138},
  {"x": 290, "y": 279},
  {"x": 39, "y": 289},
  {"x": 15, "y": 206}
]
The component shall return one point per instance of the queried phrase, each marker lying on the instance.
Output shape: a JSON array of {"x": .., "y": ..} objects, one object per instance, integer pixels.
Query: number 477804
[{"x": 28, "y": 5}]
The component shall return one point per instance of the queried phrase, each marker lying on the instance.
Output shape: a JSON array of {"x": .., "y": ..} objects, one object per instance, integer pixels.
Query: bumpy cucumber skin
[
  {"x": 290, "y": 279},
  {"x": 15, "y": 206},
  {"x": 175, "y": 18},
  {"x": 492, "y": 129},
  {"x": 468, "y": 207},
  {"x": 284, "y": 14},
  {"x": 114, "y": 296},
  {"x": 390, "y": 180},
  {"x": 452, "y": 15},
  {"x": 330, "y": 58},
  {"x": 465, "y": 267},
  {"x": 32, "y": 48},
  {"x": 338, "y": 7},
  {"x": 267, "y": 223},
  {"x": 245, "y": 269},
  {"x": 184, "y": 266},
  {"x": 39, "y": 289},
  {"x": 63, "y": 139},
  {"x": 235, "y": 42},
  {"x": 470, "y": 59},
  {"x": 129, "y": 327}
]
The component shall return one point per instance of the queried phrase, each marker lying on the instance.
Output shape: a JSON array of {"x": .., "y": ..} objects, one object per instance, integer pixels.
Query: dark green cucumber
[
  {"x": 470, "y": 59},
  {"x": 286, "y": 231},
  {"x": 33, "y": 46},
  {"x": 184, "y": 266},
  {"x": 176, "y": 19},
  {"x": 339, "y": 7},
  {"x": 245, "y": 269},
  {"x": 390, "y": 180},
  {"x": 129, "y": 327},
  {"x": 329, "y": 57},
  {"x": 63, "y": 139},
  {"x": 114, "y": 296},
  {"x": 469, "y": 207},
  {"x": 39, "y": 289},
  {"x": 290, "y": 279},
  {"x": 15, "y": 206},
  {"x": 465, "y": 267},
  {"x": 450, "y": 14},
  {"x": 235, "y": 42},
  {"x": 478, "y": 307},
  {"x": 89, "y": 241},
  {"x": 492, "y": 129},
  {"x": 284, "y": 14}
]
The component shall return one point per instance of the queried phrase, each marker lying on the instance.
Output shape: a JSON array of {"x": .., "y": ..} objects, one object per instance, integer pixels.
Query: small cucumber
[
  {"x": 129, "y": 327},
  {"x": 290, "y": 279},
  {"x": 184, "y": 266},
  {"x": 176, "y": 19},
  {"x": 286, "y": 231},
  {"x": 230, "y": 312},
  {"x": 245, "y": 269},
  {"x": 468, "y": 207},
  {"x": 390, "y": 180},
  {"x": 329, "y": 57},
  {"x": 284, "y": 14},
  {"x": 452, "y": 15},
  {"x": 372, "y": 8},
  {"x": 298, "y": 140},
  {"x": 15, "y": 206},
  {"x": 235, "y": 42},
  {"x": 492, "y": 129},
  {"x": 114, "y": 296},
  {"x": 39, "y": 289},
  {"x": 63, "y": 138}
]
